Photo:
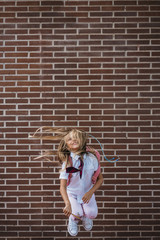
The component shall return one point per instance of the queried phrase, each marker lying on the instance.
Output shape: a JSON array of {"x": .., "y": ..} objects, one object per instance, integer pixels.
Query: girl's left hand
[{"x": 87, "y": 196}]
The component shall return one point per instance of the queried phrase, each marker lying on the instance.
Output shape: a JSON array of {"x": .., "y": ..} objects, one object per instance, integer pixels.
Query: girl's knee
[{"x": 91, "y": 213}]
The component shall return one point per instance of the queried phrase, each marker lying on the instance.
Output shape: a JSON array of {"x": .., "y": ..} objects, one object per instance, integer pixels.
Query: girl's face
[{"x": 72, "y": 142}]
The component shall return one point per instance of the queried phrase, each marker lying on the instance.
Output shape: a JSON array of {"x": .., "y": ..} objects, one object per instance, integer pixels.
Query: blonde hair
[{"x": 61, "y": 135}]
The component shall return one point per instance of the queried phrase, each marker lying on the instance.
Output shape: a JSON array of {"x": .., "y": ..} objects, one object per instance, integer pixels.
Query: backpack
[{"x": 96, "y": 173}]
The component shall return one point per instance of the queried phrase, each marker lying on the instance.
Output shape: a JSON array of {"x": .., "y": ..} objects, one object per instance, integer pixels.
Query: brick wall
[{"x": 93, "y": 64}]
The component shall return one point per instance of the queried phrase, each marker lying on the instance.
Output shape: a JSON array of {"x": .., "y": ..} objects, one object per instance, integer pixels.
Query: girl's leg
[
  {"x": 91, "y": 209},
  {"x": 76, "y": 207}
]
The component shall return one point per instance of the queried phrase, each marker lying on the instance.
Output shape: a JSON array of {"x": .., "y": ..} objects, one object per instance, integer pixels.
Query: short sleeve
[
  {"x": 93, "y": 162},
  {"x": 63, "y": 174}
]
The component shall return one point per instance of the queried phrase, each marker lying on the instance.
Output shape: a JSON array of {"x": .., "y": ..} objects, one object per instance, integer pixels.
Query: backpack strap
[
  {"x": 97, "y": 172},
  {"x": 70, "y": 174}
]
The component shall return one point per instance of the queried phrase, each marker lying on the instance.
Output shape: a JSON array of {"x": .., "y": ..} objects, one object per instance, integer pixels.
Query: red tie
[{"x": 73, "y": 169}]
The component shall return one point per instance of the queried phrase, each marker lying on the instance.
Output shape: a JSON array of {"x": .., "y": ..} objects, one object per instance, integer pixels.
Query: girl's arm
[
  {"x": 87, "y": 196},
  {"x": 63, "y": 186}
]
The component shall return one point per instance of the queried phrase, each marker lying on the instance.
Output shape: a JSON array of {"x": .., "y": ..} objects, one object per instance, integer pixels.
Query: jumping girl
[{"x": 79, "y": 164}]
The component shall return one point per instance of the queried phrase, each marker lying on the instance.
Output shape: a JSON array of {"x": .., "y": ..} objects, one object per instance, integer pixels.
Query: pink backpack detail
[{"x": 96, "y": 173}]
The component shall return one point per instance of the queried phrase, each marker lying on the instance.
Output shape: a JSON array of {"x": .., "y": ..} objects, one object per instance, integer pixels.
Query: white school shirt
[{"x": 79, "y": 186}]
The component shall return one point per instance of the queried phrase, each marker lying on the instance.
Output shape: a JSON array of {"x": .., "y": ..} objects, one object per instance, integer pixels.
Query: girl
[{"x": 78, "y": 166}]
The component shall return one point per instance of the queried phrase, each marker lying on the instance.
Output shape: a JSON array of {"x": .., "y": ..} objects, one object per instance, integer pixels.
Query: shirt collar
[{"x": 74, "y": 156}]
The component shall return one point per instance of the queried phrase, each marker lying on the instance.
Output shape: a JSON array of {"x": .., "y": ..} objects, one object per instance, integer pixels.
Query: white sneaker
[
  {"x": 87, "y": 223},
  {"x": 72, "y": 227}
]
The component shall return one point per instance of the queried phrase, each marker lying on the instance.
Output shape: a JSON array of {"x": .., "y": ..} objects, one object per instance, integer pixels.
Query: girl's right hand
[{"x": 67, "y": 210}]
